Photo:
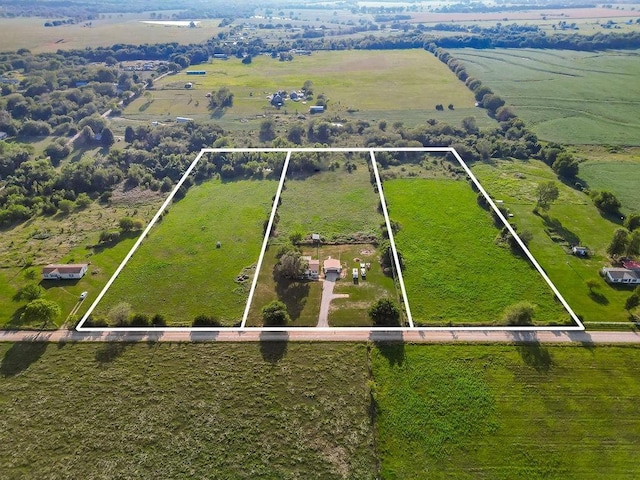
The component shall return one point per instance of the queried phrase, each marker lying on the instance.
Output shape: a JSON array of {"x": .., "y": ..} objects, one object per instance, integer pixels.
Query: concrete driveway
[{"x": 327, "y": 295}]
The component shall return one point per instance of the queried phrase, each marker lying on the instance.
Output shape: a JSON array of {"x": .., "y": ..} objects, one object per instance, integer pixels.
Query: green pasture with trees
[
  {"x": 180, "y": 272},
  {"x": 572, "y": 219},
  {"x": 565, "y": 96},
  {"x": 460, "y": 269}
]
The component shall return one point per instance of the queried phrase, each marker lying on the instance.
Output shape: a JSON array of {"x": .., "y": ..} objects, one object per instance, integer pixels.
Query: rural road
[{"x": 333, "y": 335}]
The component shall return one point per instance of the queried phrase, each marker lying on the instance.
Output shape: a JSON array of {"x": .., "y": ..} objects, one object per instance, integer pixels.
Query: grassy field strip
[
  {"x": 396, "y": 259},
  {"x": 265, "y": 241},
  {"x": 138, "y": 243}
]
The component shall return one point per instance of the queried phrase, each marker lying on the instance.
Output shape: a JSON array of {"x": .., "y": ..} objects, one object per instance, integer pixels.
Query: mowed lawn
[
  {"x": 455, "y": 272},
  {"x": 399, "y": 85},
  {"x": 507, "y": 412},
  {"x": 566, "y": 96},
  {"x": 572, "y": 220},
  {"x": 169, "y": 411},
  {"x": 178, "y": 271}
]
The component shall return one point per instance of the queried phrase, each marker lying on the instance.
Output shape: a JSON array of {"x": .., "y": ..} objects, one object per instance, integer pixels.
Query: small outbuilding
[
  {"x": 580, "y": 251},
  {"x": 71, "y": 271},
  {"x": 316, "y": 109}
]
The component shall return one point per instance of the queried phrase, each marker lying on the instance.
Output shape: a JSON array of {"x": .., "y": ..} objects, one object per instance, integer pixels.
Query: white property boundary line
[{"x": 578, "y": 327}]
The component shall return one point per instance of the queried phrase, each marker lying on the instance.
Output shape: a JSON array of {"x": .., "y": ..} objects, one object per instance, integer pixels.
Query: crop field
[
  {"x": 415, "y": 81},
  {"x": 178, "y": 271},
  {"x": 621, "y": 178},
  {"x": 507, "y": 412},
  {"x": 150, "y": 410},
  {"x": 455, "y": 272},
  {"x": 572, "y": 220},
  {"x": 30, "y": 33},
  {"x": 566, "y": 96}
]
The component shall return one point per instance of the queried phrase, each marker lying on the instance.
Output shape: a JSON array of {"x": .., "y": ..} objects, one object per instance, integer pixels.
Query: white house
[
  {"x": 313, "y": 270},
  {"x": 69, "y": 271},
  {"x": 621, "y": 275}
]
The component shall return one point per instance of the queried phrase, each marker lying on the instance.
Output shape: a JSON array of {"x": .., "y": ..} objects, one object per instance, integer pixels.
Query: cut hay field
[
  {"x": 402, "y": 85},
  {"x": 573, "y": 219},
  {"x": 455, "y": 272},
  {"x": 565, "y": 96},
  {"x": 167, "y": 411},
  {"x": 30, "y": 33},
  {"x": 178, "y": 271},
  {"x": 507, "y": 412}
]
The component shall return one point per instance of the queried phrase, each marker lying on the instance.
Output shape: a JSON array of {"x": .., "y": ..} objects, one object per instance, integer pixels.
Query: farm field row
[
  {"x": 305, "y": 410},
  {"x": 565, "y": 96},
  {"x": 457, "y": 273}
]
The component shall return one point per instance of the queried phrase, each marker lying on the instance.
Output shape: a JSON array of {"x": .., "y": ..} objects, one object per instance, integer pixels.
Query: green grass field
[
  {"x": 507, "y": 412},
  {"x": 621, "y": 178},
  {"x": 169, "y": 411},
  {"x": 565, "y": 96},
  {"x": 414, "y": 82},
  {"x": 30, "y": 33},
  {"x": 455, "y": 273},
  {"x": 573, "y": 219},
  {"x": 179, "y": 272}
]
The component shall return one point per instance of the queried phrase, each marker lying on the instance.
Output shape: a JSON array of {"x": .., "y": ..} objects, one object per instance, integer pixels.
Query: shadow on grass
[
  {"x": 532, "y": 352},
  {"x": 112, "y": 349},
  {"x": 293, "y": 294},
  {"x": 391, "y": 348},
  {"x": 20, "y": 357},
  {"x": 555, "y": 226},
  {"x": 273, "y": 346},
  {"x": 598, "y": 298}
]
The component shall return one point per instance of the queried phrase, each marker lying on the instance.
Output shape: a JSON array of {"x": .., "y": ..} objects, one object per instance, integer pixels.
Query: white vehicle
[{"x": 83, "y": 295}]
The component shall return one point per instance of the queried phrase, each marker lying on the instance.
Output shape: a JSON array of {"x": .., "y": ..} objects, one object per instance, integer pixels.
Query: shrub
[
  {"x": 385, "y": 313},
  {"x": 158, "y": 321},
  {"x": 607, "y": 202},
  {"x": 140, "y": 320},
  {"x": 206, "y": 321},
  {"x": 519, "y": 314},
  {"x": 275, "y": 314}
]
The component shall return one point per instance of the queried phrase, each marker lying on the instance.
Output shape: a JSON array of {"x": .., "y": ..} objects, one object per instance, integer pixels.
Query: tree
[
  {"x": 28, "y": 293},
  {"x": 565, "y": 165},
  {"x": 632, "y": 221},
  {"x": 120, "y": 314},
  {"x": 275, "y": 314},
  {"x": 267, "y": 130},
  {"x": 129, "y": 134},
  {"x": 634, "y": 300},
  {"x": 126, "y": 224},
  {"x": 386, "y": 258},
  {"x": 546, "y": 194},
  {"x": 295, "y": 133},
  {"x": 65, "y": 205},
  {"x": 291, "y": 265},
  {"x": 107, "y": 139},
  {"x": 247, "y": 60},
  {"x": 385, "y": 313},
  {"x": 41, "y": 310},
  {"x": 619, "y": 242},
  {"x": 221, "y": 99},
  {"x": 519, "y": 314},
  {"x": 592, "y": 284},
  {"x": 469, "y": 124},
  {"x": 607, "y": 202},
  {"x": 633, "y": 249}
]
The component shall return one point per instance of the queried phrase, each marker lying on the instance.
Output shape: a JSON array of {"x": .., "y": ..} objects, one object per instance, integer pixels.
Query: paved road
[{"x": 334, "y": 335}]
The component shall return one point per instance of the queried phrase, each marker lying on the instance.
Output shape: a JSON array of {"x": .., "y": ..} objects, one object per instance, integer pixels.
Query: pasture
[
  {"x": 67, "y": 238},
  {"x": 506, "y": 412},
  {"x": 455, "y": 272},
  {"x": 150, "y": 410},
  {"x": 572, "y": 220},
  {"x": 414, "y": 82},
  {"x": 565, "y": 96},
  {"x": 30, "y": 33},
  {"x": 178, "y": 271}
]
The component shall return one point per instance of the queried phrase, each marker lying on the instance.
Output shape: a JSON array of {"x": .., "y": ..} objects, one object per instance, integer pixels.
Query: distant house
[
  {"x": 196, "y": 72},
  {"x": 3, "y": 135},
  {"x": 332, "y": 265},
  {"x": 631, "y": 265},
  {"x": 316, "y": 109},
  {"x": 69, "y": 271},
  {"x": 621, "y": 275},
  {"x": 277, "y": 100},
  {"x": 184, "y": 119},
  {"x": 221, "y": 56},
  {"x": 580, "y": 251}
]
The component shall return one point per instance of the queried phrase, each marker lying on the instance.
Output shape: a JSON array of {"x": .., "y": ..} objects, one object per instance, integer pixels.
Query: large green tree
[
  {"x": 275, "y": 314},
  {"x": 291, "y": 265},
  {"x": 546, "y": 194},
  {"x": 41, "y": 311},
  {"x": 619, "y": 242},
  {"x": 385, "y": 313}
]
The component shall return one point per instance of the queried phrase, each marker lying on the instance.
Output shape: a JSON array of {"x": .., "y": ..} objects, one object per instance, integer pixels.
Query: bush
[
  {"x": 606, "y": 201},
  {"x": 206, "y": 321},
  {"x": 385, "y": 313},
  {"x": 140, "y": 320},
  {"x": 275, "y": 314},
  {"x": 519, "y": 314},
  {"x": 158, "y": 321},
  {"x": 632, "y": 222}
]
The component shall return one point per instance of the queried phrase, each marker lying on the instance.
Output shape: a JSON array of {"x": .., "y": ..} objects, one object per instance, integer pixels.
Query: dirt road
[{"x": 332, "y": 335}]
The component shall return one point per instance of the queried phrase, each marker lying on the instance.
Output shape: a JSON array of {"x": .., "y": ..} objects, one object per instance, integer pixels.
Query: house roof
[
  {"x": 332, "y": 264},
  {"x": 314, "y": 265},
  {"x": 621, "y": 273},
  {"x": 631, "y": 265},
  {"x": 64, "y": 268}
]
